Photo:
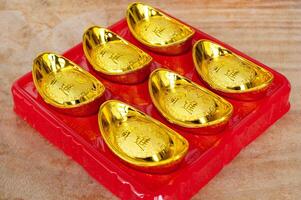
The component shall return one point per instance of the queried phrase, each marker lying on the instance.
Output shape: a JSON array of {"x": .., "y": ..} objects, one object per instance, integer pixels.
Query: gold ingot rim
[
  {"x": 87, "y": 55},
  {"x": 211, "y": 83},
  {"x": 171, "y": 119},
  {"x": 76, "y": 67},
  {"x": 189, "y": 36},
  {"x": 144, "y": 164}
]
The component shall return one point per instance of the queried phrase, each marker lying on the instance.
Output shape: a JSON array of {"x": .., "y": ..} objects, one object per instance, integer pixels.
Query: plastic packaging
[{"x": 79, "y": 137}]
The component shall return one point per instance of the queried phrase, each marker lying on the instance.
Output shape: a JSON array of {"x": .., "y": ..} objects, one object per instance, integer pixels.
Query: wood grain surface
[{"x": 270, "y": 31}]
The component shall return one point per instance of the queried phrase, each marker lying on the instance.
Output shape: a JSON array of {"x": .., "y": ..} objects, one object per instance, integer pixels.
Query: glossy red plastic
[{"x": 79, "y": 137}]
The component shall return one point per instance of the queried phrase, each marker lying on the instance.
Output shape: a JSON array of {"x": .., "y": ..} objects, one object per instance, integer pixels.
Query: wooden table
[{"x": 270, "y": 31}]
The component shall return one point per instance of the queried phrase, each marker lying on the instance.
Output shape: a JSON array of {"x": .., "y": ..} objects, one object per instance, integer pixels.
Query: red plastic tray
[{"x": 80, "y": 138}]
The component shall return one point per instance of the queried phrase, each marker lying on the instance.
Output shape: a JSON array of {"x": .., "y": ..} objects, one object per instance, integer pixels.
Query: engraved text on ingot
[
  {"x": 187, "y": 103},
  {"x": 117, "y": 57},
  {"x": 68, "y": 85},
  {"x": 229, "y": 72},
  {"x": 142, "y": 139},
  {"x": 159, "y": 30}
]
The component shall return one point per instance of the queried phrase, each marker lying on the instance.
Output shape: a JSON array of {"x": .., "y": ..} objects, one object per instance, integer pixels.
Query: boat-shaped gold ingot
[
  {"x": 114, "y": 57},
  {"x": 65, "y": 86},
  {"x": 185, "y": 103},
  {"x": 139, "y": 140},
  {"x": 228, "y": 73},
  {"x": 157, "y": 31}
]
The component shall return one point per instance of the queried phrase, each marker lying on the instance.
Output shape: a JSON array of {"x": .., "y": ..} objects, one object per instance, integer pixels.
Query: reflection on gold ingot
[
  {"x": 65, "y": 86},
  {"x": 227, "y": 72},
  {"x": 114, "y": 57},
  {"x": 185, "y": 103},
  {"x": 140, "y": 140},
  {"x": 157, "y": 31}
]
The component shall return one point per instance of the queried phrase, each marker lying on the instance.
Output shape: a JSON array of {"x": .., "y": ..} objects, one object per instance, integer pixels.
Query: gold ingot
[
  {"x": 157, "y": 31},
  {"x": 184, "y": 103},
  {"x": 65, "y": 86},
  {"x": 114, "y": 57},
  {"x": 229, "y": 73},
  {"x": 139, "y": 140}
]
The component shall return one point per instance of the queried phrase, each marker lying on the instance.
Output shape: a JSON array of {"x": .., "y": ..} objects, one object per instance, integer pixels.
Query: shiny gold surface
[
  {"x": 111, "y": 55},
  {"x": 138, "y": 139},
  {"x": 156, "y": 30},
  {"x": 227, "y": 72},
  {"x": 185, "y": 103},
  {"x": 62, "y": 83}
]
